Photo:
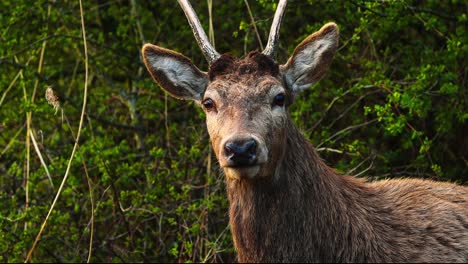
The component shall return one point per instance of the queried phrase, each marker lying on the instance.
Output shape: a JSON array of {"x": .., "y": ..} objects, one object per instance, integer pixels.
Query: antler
[
  {"x": 208, "y": 51},
  {"x": 272, "y": 44}
]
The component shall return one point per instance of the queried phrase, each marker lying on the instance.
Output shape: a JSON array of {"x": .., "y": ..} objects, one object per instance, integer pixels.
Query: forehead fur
[{"x": 255, "y": 64}]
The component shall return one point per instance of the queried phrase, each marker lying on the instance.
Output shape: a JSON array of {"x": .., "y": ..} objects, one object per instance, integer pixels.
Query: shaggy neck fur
[{"x": 306, "y": 213}]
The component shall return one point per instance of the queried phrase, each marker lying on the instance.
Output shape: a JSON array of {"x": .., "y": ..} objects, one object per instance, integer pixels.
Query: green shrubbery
[{"x": 144, "y": 183}]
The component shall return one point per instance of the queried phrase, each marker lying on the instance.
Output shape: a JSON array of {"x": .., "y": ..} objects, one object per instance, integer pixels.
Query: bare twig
[
  {"x": 28, "y": 257},
  {"x": 351, "y": 107},
  {"x": 12, "y": 140},
  {"x": 12, "y": 83},
  {"x": 327, "y": 110},
  {"x": 365, "y": 170},
  {"x": 345, "y": 130},
  {"x": 166, "y": 123},
  {"x": 366, "y": 8},
  {"x": 28, "y": 152},
  {"x": 38, "y": 151},
  {"x": 208, "y": 255},
  {"x": 330, "y": 150},
  {"x": 372, "y": 155},
  {"x": 29, "y": 120},
  {"x": 252, "y": 20},
  {"x": 211, "y": 29},
  {"x": 91, "y": 197},
  {"x": 432, "y": 12},
  {"x": 138, "y": 23}
]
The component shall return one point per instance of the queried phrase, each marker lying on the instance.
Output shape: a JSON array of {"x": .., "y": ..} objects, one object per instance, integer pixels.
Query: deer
[{"x": 285, "y": 203}]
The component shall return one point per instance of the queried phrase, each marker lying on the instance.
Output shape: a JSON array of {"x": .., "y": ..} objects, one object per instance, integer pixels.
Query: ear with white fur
[
  {"x": 311, "y": 58},
  {"x": 175, "y": 73}
]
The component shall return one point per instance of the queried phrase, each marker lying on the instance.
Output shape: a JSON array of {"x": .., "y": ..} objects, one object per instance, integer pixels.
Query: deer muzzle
[
  {"x": 241, "y": 153},
  {"x": 242, "y": 156}
]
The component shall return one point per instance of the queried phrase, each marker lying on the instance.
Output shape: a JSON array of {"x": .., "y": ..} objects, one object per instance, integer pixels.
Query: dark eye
[
  {"x": 208, "y": 104},
  {"x": 279, "y": 99}
]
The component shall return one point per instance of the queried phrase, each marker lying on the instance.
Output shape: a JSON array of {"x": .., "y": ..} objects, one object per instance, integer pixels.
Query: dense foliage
[{"x": 144, "y": 185}]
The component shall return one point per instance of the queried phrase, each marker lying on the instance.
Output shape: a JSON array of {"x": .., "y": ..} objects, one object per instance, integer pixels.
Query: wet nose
[{"x": 241, "y": 152}]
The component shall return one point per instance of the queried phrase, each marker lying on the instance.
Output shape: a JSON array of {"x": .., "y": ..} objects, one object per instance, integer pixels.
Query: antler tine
[
  {"x": 273, "y": 39},
  {"x": 210, "y": 53}
]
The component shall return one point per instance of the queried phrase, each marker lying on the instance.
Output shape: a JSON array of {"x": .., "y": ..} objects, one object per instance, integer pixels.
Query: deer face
[
  {"x": 245, "y": 104},
  {"x": 246, "y": 100}
]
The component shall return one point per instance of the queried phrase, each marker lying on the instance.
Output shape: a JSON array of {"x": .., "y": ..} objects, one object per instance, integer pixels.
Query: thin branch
[
  {"x": 351, "y": 106},
  {"x": 252, "y": 20},
  {"x": 12, "y": 83},
  {"x": 29, "y": 119},
  {"x": 138, "y": 22},
  {"x": 210, "y": 22},
  {"x": 28, "y": 257},
  {"x": 91, "y": 197},
  {"x": 432, "y": 12},
  {"x": 327, "y": 110},
  {"x": 12, "y": 140},
  {"x": 330, "y": 150},
  {"x": 38, "y": 151},
  {"x": 348, "y": 129},
  {"x": 365, "y": 170},
  {"x": 368, "y": 9},
  {"x": 372, "y": 155},
  {"x": 208, "y": 255},
  {"x": 117, "y": 52}
]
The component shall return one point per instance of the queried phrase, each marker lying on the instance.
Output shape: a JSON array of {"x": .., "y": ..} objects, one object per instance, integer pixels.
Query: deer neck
[{"x": 304, "y": 197}]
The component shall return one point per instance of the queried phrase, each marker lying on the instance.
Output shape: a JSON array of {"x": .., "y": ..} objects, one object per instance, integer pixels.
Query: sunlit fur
[
  {"x": 290, "y": 206},
  {"x": 297, "y": 209}
]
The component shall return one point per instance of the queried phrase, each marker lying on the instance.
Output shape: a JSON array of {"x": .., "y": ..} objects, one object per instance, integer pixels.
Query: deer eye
[
  {"x": 279, "y": 99},
  {"x": 208, "y": 104}
]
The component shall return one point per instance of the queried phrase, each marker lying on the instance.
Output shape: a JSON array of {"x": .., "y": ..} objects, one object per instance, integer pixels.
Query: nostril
[
  {"x": 230, "y": 148},
  {"x": 251, "y": 146}
]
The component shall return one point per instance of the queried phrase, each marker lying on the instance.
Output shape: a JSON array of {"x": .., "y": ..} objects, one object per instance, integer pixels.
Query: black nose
[{"x": 241, "y": 152}]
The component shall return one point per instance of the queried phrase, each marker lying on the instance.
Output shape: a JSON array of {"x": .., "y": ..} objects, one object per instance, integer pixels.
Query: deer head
[{"x": 245, "y": 100}]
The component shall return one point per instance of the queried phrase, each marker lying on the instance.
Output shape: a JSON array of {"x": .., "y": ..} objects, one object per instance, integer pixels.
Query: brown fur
[
  {"x": 290, "y": 206},
  {"x": 308, "y": 213},
  {"x": 255, "y": 64},
  {"x": 311, "y": 214}
]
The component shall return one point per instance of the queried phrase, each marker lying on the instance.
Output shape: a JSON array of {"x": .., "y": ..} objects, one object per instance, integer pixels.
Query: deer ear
[
  {"x": 175, "y": 73},
  {"x": 311, "y": 58}
]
